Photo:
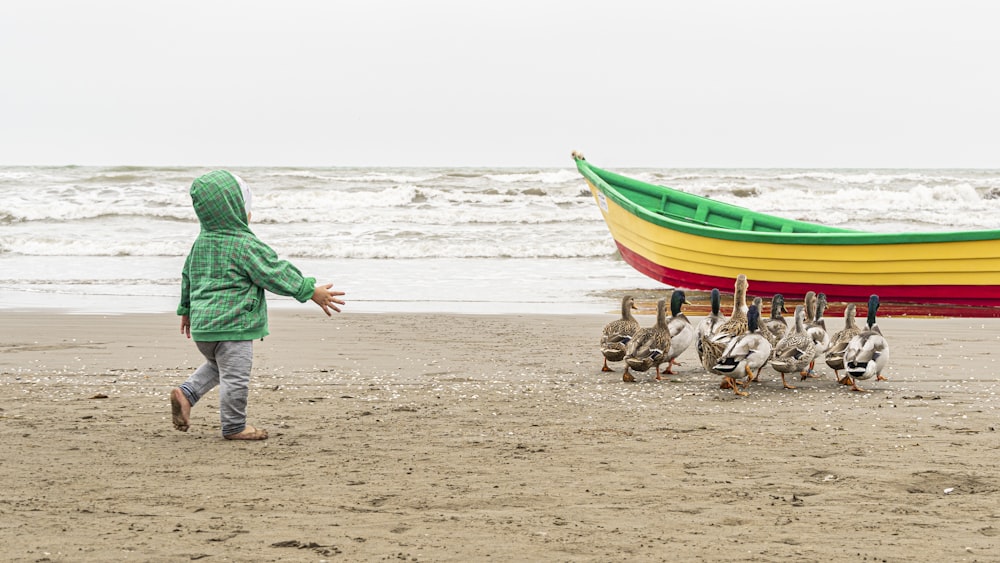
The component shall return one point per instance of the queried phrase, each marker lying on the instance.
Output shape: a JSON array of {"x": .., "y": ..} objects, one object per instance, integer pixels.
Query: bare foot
[
  {"x": 248, "y": 433},
  {"x": 180, "y": 410}
]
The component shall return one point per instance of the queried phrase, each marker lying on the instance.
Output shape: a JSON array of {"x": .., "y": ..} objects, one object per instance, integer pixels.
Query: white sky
[{"x": 717, "y": 83}]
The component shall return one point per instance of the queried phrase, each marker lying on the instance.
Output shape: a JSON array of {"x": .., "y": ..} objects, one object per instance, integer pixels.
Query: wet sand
[{"x": 435, "y": 437}]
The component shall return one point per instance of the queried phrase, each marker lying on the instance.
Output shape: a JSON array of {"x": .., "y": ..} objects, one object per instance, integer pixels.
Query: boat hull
[{"x": 683, "y": 249}]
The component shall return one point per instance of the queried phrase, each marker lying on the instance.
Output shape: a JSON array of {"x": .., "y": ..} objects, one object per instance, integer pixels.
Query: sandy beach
[{"x": 434, "y": 437}]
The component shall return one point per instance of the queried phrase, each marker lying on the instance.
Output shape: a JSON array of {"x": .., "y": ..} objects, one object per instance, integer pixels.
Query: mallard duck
[
  {"x": 867, "y": 353},
  {"x": 794, "y": 352},
  {"x": 809, "y": 303},
  {"x": 708, "y": 325},
  {"x": 815, "y": 305},
  {"x": 759, "y": 303},
  {"x": 681, "y": 330},
  {"x": 745, "y": 355},
  {"x": 617, "y": 334},
  {"x": 839, "y": 340},
  {"x": 736, "y": 324},
  {"x": 821, "y": 305},
  {"x": 714, "y": 344},
  {"x": 777, "y": 325},
  {"x": 648, "y": 348}
]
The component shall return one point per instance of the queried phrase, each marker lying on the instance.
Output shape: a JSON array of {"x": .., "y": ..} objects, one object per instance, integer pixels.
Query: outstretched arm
[{"x": 327, "y": 299}]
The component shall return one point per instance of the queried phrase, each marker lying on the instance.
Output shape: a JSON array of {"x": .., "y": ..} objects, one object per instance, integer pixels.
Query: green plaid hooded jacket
[{"x": 228, "y": 268}]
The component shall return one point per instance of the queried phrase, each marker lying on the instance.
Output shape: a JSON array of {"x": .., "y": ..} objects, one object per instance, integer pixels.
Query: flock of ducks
[{"x": 740, "y": 346}]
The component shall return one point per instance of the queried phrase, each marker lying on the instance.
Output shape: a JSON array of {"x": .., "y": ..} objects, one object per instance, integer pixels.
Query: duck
[
  {"x": 759, "y": 303},
  {"x": 867, "y": 353},
  {"x": 745, "y": 355},
  {"x": 617, "y": 333},
  {"x": 794, "y": 352},
  {"x": 708, "y": 324},
  {"x": 777, "y": 325},
  {"x": 715, "y": 344},
  {"x": 840, "y": 339},
  {"x": 815, "y": 304},
  {"x": 736, "y": 324},
  {"x": 649, "y": 347},
  {"x": 682, "y": 333}
]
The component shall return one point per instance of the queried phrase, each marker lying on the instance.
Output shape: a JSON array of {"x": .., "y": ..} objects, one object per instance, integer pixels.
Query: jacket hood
[{"x": 218, "y": 201}]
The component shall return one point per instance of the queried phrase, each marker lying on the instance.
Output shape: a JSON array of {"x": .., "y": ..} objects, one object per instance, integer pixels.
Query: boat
[{"x": 687, "y": 241}]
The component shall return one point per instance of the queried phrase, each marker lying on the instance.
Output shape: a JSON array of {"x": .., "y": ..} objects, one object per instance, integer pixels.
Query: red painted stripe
[{"x": 986, "y": 298}]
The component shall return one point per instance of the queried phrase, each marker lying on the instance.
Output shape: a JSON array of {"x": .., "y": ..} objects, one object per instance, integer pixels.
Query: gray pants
[{"x": 228, "y": 366}]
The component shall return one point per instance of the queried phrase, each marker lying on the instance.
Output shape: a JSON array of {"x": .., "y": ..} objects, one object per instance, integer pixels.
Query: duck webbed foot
[
  {"x": 729, "y": 382},
  {"x": 854, "y": 385},
  {"x": 785, "y": 383},
  {"x": 628, "y": 377}
]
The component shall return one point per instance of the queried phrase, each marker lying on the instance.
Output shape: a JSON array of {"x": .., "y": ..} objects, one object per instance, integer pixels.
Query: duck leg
[
  {"x": 848, "y": 380},
  {"x": 627, "y": 377},
  {"x": 807, "y": 373},
  {"x": 730, "y": 382},
  {"x": 606, "y": 368},
  {"x": 785, "y": 383},
  {"x": 736, "y": 389}
]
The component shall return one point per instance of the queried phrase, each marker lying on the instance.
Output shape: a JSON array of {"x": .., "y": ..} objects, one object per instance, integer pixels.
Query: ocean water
[{"x": 466, "y": 240}]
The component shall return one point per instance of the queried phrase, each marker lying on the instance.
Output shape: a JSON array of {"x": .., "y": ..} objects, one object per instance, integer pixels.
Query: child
[{"x": 222, "y": 301}]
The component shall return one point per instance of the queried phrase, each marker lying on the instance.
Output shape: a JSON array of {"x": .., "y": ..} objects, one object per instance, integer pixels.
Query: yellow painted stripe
[{"x": 947, "y": 263}]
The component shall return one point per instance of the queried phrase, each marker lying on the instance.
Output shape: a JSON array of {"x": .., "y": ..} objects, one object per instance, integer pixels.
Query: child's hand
[
  {"x": 327, "y": 299},
  {"x": 186, "y": 325}
]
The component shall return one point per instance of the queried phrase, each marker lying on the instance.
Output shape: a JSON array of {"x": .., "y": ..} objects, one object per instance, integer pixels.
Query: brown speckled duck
[
  {"x": 839, "y": 340},
  {"x": 776, "y": 326},
  {"x": 816, "y": 327},
  {"x": 795, "y": 350},
  {"x": 617, "y": 333},
  {"x": 649, "y": 347},
  {"x": 708, "y": 324}
]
